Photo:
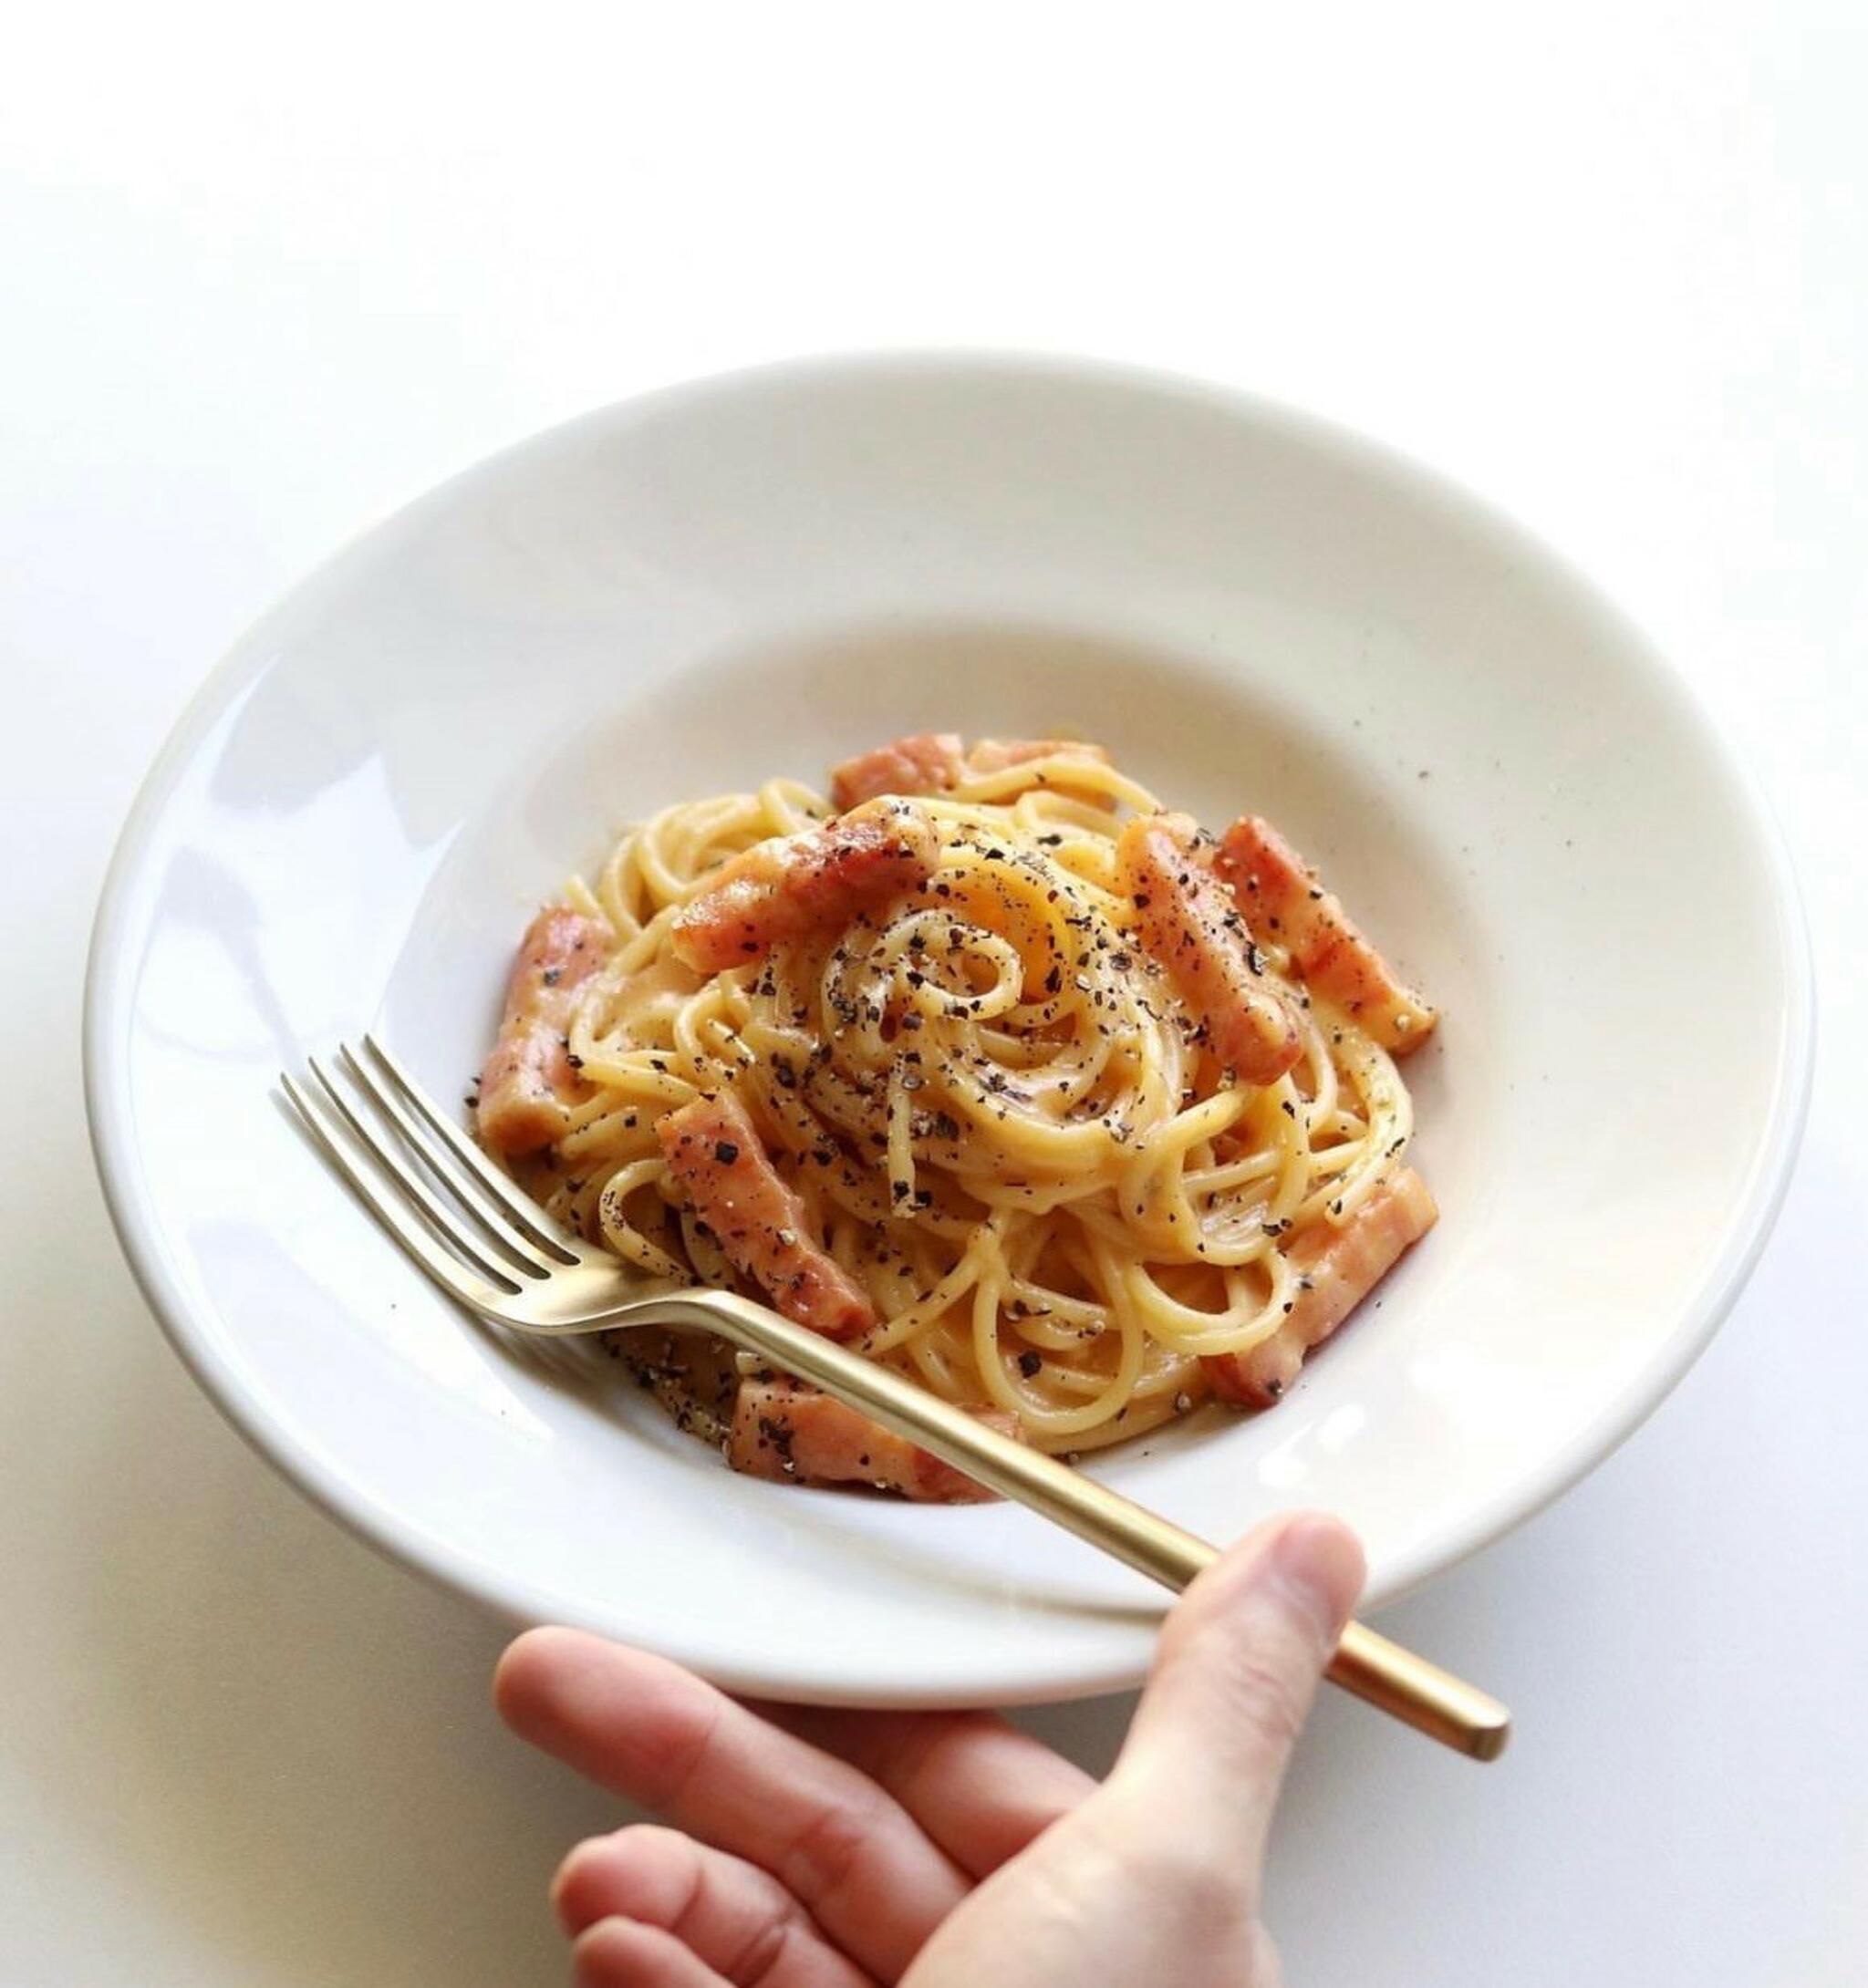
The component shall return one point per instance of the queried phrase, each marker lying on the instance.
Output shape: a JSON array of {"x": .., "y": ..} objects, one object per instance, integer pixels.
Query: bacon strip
[
  {"x": 790, "y": 1432},
  {"x": 923, "y": 762},
  {"x": 817, "y": 880},
  {"x": 1285, "y": 905},
  {"x": 995, "y": 755},
  {"x": 1342, "y": 1265},
  {"x": 529, "y": 1079},
  {"x": 1188, "y": 922},
  {"x": 758, "y": 1220},
  {"x": 927, "y": 763}
]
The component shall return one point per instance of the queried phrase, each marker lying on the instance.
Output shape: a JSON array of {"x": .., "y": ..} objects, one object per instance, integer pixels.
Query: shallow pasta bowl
[{"x": 688, "y": 593}]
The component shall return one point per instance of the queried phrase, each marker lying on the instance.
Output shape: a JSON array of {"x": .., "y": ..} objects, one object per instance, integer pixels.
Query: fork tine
[
  {"x": 435, "y": 1156},
  {"x": 445, "y": 1269},
  {"x": 525, "y": 1213},
  {"x": 402, "y": 1177}
]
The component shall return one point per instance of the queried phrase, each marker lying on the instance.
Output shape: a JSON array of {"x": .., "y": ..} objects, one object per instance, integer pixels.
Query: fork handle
[{"x": 1395, "y": 1681}]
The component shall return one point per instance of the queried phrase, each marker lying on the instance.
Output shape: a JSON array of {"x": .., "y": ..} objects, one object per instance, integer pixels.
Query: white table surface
[{"x": 266, "y": 272}]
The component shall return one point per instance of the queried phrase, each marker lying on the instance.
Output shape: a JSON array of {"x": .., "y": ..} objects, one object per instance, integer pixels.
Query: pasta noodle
[{"x": 998, "y": 1113}]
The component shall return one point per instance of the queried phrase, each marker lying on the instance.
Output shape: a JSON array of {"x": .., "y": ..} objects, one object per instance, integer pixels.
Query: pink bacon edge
[
  {"x": 1186, "y": 922},
  {"x": 715, "y": 1153},
  {"x": 1339, "y": 1267},
  {"x": 932, "y": 763},
  {"x": 817, "y": 880},
  {"x": 1286, "y": 905},
  {"x": 529, "y": 1080},
  {"x": 790, "y": 1432}
]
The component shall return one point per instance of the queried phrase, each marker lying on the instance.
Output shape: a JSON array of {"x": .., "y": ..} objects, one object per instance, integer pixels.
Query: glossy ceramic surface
[{"x": 685, "y": 593}]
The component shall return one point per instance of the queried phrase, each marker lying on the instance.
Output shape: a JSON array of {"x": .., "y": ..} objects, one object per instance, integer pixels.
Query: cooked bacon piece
[
  {"x": 529, "y": 1077},
  {"x": 758, "y": 1220},
  {"x": 1188, "y": 922},
  {"x": 786, "y": 1431},
  {"x": 995, "y": 755},
  {"x": 923, "y": 762},
  {"x": 1285, "y": 905},
  {"x": 1342, "y": 1265},
  {"x": 929, "y": 763},
  {"x": 817, "y": 880}
]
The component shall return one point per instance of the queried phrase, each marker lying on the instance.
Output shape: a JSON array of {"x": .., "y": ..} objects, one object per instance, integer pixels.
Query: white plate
[{"x": 685, "y": 593}]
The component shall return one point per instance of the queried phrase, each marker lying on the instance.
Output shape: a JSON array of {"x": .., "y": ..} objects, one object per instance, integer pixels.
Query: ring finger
[{"x": 734, "y": 1917}]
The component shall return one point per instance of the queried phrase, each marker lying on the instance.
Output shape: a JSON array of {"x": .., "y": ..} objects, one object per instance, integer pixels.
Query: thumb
[{"x": 1235, "y": 1672}]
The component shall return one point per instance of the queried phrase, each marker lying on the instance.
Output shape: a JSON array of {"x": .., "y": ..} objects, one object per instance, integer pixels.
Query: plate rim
[{"x": 107, "y": 1006}]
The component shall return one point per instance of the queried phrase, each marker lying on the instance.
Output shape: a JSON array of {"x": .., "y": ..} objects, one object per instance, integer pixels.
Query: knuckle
[
  {"x": 1272, "y": 1699},
  {"x": 765, "y": 1948},
  {"x": 671, "y": 1747},
  {"x": 826, "y": 1851}
]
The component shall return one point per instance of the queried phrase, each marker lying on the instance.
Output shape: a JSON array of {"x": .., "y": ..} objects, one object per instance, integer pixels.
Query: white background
[{"x": 265, "y": 274}]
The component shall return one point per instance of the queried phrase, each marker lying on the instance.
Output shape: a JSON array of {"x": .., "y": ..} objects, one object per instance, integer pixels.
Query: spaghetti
[{"x": 976, "y": 1084}]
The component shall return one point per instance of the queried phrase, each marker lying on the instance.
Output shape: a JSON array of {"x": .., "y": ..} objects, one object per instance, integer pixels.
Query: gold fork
[{"x": 494, "y": 1250}]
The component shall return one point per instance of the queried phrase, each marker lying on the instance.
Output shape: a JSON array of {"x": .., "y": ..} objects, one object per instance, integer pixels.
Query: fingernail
[{"x": 1319, "y": 1563}]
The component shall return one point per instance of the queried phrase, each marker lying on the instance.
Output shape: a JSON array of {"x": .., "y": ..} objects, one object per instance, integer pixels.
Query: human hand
[{"x": 839, "y": 1849}]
